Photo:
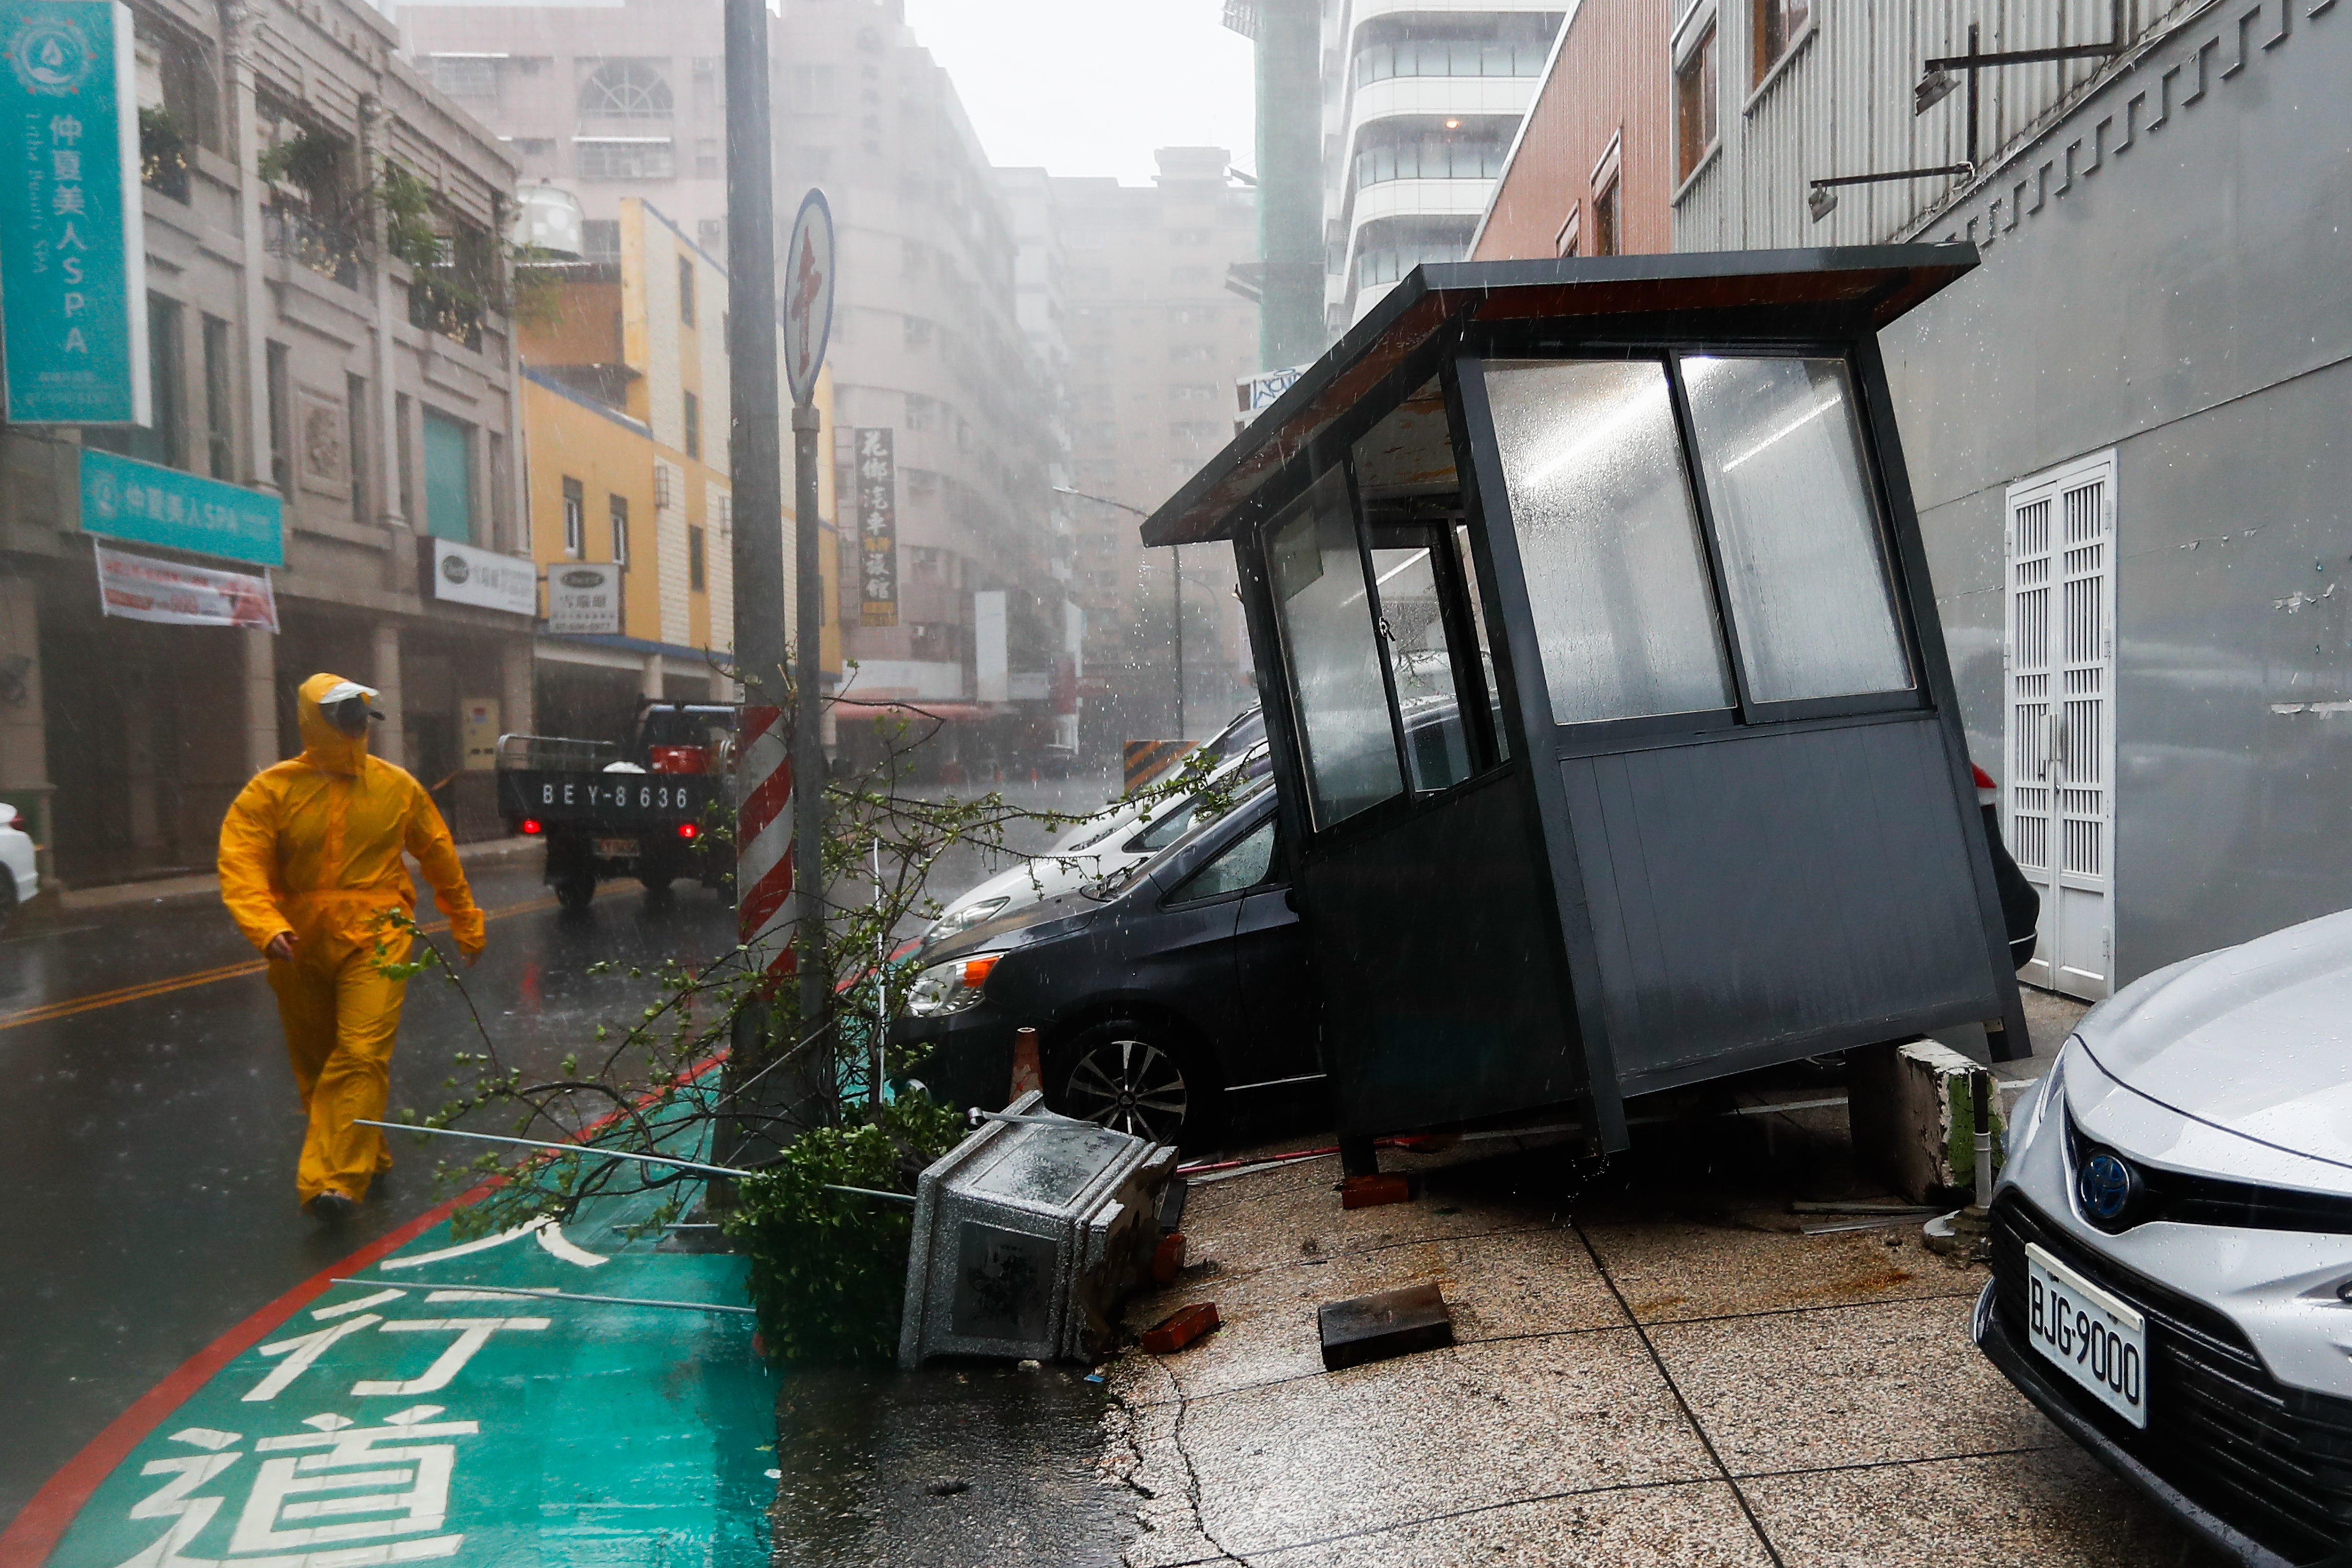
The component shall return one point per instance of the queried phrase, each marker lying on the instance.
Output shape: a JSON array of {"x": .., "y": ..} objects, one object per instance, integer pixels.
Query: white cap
[{"x": 343, "y": 691}]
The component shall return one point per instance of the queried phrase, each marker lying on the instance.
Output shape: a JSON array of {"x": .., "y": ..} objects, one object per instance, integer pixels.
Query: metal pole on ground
[{"x": 808, "y": 322}]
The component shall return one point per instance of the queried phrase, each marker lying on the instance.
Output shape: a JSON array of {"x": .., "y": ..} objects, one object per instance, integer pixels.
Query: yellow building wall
[{"x": 567, "y": 440}]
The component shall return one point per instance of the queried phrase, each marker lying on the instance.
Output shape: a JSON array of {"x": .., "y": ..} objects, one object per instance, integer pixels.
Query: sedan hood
[
  {"x": 1040, "y": 920},
  {"x": 2255, "y": 1039}
]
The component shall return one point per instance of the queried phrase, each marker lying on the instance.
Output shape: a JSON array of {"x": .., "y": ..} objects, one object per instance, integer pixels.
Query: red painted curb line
[{"x": 34, "y": 1532}]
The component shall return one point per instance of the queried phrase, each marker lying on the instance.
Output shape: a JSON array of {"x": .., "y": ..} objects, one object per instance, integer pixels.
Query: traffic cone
[{"x": 1027, "y": 1072}]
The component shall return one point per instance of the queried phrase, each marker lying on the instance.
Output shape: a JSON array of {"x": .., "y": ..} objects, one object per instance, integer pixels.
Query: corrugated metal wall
[{"x": 1841, "y": 104}]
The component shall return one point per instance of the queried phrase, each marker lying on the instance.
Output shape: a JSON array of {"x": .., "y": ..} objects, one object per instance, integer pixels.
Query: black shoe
[{"x": 331, "y": 1208}]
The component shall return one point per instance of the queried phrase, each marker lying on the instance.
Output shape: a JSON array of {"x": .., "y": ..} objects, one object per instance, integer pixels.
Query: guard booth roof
[
  {"x": 1843, "y": 290},
  {"x": 1616, "y": 745}
]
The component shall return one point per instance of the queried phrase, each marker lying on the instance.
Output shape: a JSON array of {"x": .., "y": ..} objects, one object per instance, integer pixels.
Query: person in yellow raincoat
[{"x": 310, "y": 869}]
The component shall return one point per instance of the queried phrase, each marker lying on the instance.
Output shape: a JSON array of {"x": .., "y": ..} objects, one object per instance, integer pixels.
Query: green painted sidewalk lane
[{"x": 399, "y": 1423}]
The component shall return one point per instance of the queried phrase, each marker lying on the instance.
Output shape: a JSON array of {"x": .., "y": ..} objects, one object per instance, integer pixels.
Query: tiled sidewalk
[{"x": 1637, "y": 1378}]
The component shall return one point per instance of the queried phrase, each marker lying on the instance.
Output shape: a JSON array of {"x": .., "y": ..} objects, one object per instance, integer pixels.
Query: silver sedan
[{"x": 2172, "y": 1242}]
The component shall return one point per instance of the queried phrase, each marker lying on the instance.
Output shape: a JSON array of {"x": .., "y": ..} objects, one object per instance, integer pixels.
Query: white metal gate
[{"x": 2059, "y": 657}]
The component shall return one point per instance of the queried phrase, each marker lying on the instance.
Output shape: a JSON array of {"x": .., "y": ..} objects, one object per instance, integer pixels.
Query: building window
[
  {"x": 576, "y": 519},
  {"x": 919, "y": 412},
  {"x": 706, "y": 158},
  {"x": 697, "y": 578},
  {"x": 536, "y": 151},
  {"x": 1779, "y": 24},
  {"x": 1694, "y": 105},
  {"x": 404, "y": 456},
  {"x": 626, "y": 89},
  {"x": 355, "y": 440},
  {"x": 220, "y": 400},
  {"x": 600, "y": 240},
  {"x": 467, "y": 76},
  {"x": 1431, "y": 158},
  {"x": 710, "y": 233},
  {"x": 812, "y": 90},
  {"x": 281, "y": 418},
  {"x": 620, "y": 513},
  {"x": 448, "y": 479},
  {"x": 1604, "y": 219},
  {"x": 160, "y": 442},
  {"x": 617, "y": 158},
  {"x": 918, "y": 333},
  {"x": 693, "y": 426},
  {"x": 1451, "y": 56},
  {"x": 685, "y": 289}
]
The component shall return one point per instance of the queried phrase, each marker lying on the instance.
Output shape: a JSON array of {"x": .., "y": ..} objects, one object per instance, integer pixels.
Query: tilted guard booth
[{"x": 1609, "y": 709}]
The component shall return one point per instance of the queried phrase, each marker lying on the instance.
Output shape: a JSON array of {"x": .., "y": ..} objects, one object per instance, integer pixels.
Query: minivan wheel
[{"x": 1136, "y": 1078}]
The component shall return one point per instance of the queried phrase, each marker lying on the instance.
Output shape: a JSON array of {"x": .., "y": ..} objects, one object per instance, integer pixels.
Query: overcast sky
[{"x": 1091, "y": 86}]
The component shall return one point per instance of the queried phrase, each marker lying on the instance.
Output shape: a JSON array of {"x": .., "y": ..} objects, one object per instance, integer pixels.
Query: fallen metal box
[{"x": 1028, "y": 1235}]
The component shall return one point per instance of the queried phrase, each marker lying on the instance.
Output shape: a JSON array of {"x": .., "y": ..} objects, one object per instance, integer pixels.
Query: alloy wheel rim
[{"x": 1129, "y": 1086}]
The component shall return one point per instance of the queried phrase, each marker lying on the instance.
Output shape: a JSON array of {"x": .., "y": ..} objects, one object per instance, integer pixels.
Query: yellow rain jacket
[{"x": 311, "y": 848}]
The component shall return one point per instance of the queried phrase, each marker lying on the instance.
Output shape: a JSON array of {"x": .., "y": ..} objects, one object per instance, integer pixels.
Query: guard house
[{"x": 1616, "y": 746}]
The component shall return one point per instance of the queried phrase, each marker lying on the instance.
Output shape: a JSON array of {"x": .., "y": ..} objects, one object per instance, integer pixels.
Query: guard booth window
[
  {"x": 1324, "y": 606},
  {"x": 1624, "y": 555},
  {"x": 1781, "y": 444},
  {"x": 1609, "y": 539}
]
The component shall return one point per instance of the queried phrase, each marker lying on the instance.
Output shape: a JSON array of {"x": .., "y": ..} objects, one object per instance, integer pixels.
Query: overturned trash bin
[{"x": 1027, "y": 1236}]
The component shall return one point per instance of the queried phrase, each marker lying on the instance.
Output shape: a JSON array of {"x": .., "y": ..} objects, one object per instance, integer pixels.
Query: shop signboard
[
  {"x": 142, "y": 588},
  {"x": 463, "y": 575},
  {"x": 583, "y": 598},
  {"x": 877, "y": 528},
  {"x": 146, "y": 503},
  {"x": 73, "y": 284}
]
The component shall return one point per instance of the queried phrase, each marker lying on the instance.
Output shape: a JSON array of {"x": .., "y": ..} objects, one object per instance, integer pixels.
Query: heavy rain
[{"x": 1175, "y": 782}]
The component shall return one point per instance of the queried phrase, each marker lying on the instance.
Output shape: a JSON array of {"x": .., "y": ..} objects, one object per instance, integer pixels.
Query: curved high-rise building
[{"x": 1421, "y": 99}]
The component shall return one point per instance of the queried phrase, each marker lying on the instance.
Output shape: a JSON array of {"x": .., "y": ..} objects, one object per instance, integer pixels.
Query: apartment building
[
  {"x": 1157, "y": 342},
  {"x": 929, "y": 346},
  {"x": 606, "y": 102},
  {"x": 333, "y": 365},
  {"x": 1420, "y": 103},
  {"x": 2124, "y": 430}
]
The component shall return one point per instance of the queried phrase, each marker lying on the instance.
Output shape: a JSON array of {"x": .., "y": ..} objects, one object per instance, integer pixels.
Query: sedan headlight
[
  {"x": 957, "y": 921},
  {"x": 950, "y": 987},
  {"x": 2050, "y": 1090}
]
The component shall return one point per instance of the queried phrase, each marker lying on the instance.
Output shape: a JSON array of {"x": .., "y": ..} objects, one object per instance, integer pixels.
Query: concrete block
[
  {"x": 1389, "y": 1323},
  {"x": 1911, "y": 1112}
]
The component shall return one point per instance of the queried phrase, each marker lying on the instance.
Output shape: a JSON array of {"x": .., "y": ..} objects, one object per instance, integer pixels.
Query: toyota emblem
[{"x": 2108, "y": 1186}]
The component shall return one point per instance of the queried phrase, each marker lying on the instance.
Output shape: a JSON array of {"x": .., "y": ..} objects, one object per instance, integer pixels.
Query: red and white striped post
[{"x": 763, "y": 838}]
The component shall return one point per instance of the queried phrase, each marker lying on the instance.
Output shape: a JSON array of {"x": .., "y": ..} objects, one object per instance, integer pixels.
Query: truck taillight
[
  {"x": 677, "y": 759},
  {"x": 1987, "y": 791},
  {"x": 531, "y": 825},
  {"x": 688, "y": 830}
]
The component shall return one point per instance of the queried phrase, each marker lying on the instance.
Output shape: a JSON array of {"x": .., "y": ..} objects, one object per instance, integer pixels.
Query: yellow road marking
[{"x": 50, "y": 1012}]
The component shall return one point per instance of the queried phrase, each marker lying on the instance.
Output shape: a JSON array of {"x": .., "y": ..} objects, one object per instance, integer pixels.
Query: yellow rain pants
[{"x": 312, "y": 849}]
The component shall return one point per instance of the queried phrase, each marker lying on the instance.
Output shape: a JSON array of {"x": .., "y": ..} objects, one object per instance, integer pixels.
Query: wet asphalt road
[
  {"x": 147, "y": 1145},
  {"x": 148, "y": 1140}
]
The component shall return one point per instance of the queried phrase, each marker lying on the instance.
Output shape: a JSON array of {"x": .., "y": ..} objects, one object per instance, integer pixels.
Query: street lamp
[{"x": 1179, "y": 556}]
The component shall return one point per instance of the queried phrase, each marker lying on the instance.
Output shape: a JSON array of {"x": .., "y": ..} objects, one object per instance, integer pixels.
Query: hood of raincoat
[
  {"x": 324, "y": 747},
  {"x": 2250, "y": 1039}
]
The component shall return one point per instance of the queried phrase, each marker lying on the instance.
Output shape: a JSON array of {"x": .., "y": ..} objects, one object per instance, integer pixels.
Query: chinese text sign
[
  {"x": 877, "y": 528},
  {"x": 73, "y": 286}
]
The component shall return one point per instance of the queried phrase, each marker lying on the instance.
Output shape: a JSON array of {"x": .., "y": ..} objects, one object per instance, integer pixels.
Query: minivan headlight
[
  {"x": 2050, "y": 1090},
  {"x": 951, "y": 987},
  {"x": 957, "y": 921}
]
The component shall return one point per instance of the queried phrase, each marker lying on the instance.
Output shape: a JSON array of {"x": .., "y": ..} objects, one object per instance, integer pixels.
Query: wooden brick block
[
  {"x": 1180, "y": 1328},
  {"x": 1370, "y": 1192}
]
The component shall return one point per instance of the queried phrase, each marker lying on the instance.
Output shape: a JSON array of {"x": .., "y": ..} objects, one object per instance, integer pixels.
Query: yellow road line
[{"x": 50, "y": 1012}]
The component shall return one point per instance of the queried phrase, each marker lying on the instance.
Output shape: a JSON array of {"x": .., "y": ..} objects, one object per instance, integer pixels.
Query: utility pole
[
  {"x": 755, "y": 473},
  {"x": 1178, "y": 554}
]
